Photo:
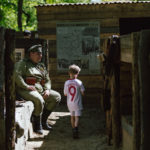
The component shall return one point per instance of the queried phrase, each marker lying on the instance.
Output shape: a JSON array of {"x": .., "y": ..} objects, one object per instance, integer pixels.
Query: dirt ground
[{"x": 91, "y": 131}]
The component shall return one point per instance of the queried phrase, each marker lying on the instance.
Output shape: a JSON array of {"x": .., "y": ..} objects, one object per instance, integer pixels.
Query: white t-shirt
[{"x": 73, "y": 89}]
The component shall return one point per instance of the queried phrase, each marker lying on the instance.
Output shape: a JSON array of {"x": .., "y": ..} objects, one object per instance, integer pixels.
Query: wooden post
[
  {"x": 2, "y": 91},
  {"x": 136, "y": 93},
  {"x": 115, "y": 94},
  {"x": 10, "y": 89},
  {"x": 144, "y": 78},
  {"x": 115, "y": 105}
]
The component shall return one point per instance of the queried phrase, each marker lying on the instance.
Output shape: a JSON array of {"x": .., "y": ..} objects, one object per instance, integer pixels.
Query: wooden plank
[
  {"x": 47, "y": 31},
  {"x": 47, "y": 24},
  {"x": 2, "y": 91},
  {"x": 144, "y": 81},
  {"x": 109, "y": 29},
  {"x": 126, "y": 55},
  {"x": 127, "y": 132},
  {"x": 125, "y": 89},
  {"x": 53, "y": 37},
  {"x": 92, "y": 15},
  {"x": 92, "y": 82},
  {"x": 125, "y": 44},
  {"x": 53, "y": 60},
  {"x": 60, "y": 85},
  {"x": 10, "y": 89},
  {"x": 106, "y": 35},
  {"x": 53, "y": 68},
  {"x": 115, "y": 105},
  {"x": 126, "y": 125},
  {"x": 136, "y": 93},
  {"x": 109, "y": 22},
  {"x": 52, "y": 31},
  {"x": 45, "y": 53},
  {"x": 114, "y": 52},
  {"x": 48, "y": 37},
  {"x": 112, "y": 75},
  {"x": 125, "y": 67},
  {"x": 125, "y": 41}
]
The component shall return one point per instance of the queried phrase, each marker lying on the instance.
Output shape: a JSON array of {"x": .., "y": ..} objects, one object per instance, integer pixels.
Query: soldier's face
[{"x": 35, "y": 57}]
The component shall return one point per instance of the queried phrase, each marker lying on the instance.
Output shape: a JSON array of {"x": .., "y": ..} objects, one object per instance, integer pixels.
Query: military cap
[{"x": 35, "y": 48}]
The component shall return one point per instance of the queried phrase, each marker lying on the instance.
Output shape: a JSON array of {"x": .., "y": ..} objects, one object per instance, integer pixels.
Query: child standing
[{"x": 74, "y": 90}]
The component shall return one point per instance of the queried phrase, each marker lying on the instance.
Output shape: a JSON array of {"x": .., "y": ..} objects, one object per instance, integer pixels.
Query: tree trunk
[{"x": 20, "y": 5}]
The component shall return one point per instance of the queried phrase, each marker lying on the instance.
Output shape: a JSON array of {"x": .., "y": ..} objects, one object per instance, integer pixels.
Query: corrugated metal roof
[{"x": 101, "y": 3}]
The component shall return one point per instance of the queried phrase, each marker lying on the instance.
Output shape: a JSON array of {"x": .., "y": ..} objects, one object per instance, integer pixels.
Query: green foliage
[
  {"x": 9, "y": 10},
  {"x": 115, "y": 0},
  {"x": 29, "y": 19},
  {"x": 8, "y": 15}
]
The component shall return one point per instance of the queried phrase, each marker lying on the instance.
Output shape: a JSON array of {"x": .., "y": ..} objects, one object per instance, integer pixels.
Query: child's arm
[
  {"x": 82, "y": 89},
  {"x": 65, "y": 89},
  {"x": 82, "y": 92}
]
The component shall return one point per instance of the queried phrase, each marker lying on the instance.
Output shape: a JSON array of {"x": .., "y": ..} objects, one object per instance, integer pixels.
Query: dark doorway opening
[{"x": 128, "y": 25}]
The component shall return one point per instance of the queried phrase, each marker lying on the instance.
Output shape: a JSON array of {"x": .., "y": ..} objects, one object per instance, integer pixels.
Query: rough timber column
[
  {"x": 10, "y": 89},
  {"x": 144, "y": 78},
  {"x": 136, "y": 93},
  {"x": 2, "y": 106}
]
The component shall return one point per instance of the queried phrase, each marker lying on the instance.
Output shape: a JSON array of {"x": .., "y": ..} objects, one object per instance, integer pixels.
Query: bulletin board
[{"x": 78, "y": 43}]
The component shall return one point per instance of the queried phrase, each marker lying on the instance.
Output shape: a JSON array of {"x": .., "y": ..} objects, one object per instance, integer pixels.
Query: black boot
[
  {"x": 75, "y": 133},
  {"x": 45, "y": 115},
  {"x": 37, "y": 126}
]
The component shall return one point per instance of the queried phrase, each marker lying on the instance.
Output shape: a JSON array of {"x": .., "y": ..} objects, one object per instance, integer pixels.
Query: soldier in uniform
[{"x": 33, "y": 84}]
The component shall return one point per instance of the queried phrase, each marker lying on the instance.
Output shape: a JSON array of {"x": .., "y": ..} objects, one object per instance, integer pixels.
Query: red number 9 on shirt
[{"x": 72, "y": 92}]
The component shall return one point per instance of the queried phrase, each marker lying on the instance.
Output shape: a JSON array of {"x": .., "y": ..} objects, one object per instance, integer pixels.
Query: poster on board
[
  {"x": 19, "y": 54},
  {"x": 78, "y": 43}
]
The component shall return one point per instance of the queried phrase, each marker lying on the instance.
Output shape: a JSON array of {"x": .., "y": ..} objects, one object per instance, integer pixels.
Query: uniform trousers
[{"x": 38, "y": 101}]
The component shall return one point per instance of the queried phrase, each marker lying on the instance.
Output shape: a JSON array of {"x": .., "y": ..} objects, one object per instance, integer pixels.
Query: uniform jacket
[{"x": 26, "y": 68}]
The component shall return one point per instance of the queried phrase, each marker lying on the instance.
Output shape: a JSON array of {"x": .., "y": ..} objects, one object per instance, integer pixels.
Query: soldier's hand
[
  {"x": 31, "y": 88},
  {"x": 46, "y": 94}
]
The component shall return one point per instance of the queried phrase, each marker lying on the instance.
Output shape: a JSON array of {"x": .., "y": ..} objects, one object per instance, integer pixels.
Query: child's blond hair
[{"x": 74, "y": 69}]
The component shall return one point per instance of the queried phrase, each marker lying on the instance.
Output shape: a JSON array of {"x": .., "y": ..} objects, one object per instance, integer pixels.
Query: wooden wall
[{"x": 106, "y": 14}]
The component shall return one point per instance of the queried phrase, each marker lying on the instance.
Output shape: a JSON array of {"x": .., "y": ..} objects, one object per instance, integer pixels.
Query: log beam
[
  {"x": 10, "y": 89},
  {"x": 2, "y": 100}
]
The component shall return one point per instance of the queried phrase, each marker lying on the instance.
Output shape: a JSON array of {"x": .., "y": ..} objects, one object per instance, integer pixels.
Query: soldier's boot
[
  {"x": 45, "y": 115},
  {"x": 37, "y": 126}
]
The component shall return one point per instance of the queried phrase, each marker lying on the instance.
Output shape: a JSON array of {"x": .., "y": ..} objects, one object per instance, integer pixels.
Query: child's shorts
[{"x": 76, "y": 113}]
